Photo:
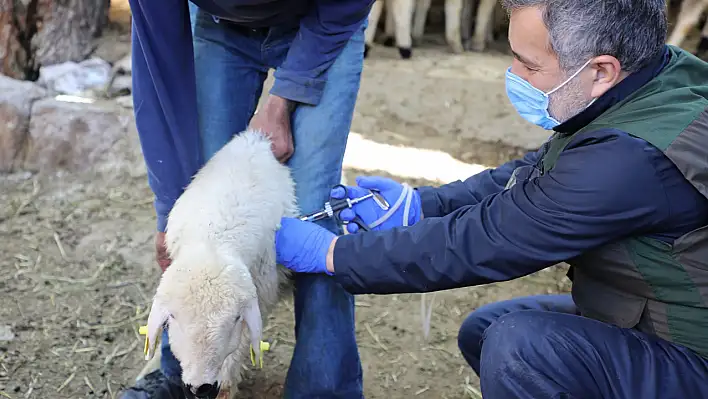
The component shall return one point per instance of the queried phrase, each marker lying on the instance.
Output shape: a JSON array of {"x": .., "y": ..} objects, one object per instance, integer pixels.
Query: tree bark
[{"x": 45, "y": 32}]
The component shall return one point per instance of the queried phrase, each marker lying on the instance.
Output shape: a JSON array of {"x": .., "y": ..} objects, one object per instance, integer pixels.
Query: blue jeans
[
  {"x": 231, "y": 65},
  {"x": 539, "y": 347},
  {"x": 192, "y": 14}
]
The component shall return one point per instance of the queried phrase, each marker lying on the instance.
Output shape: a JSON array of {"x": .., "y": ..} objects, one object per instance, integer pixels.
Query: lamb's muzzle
[{"x": 204, "y": 391}]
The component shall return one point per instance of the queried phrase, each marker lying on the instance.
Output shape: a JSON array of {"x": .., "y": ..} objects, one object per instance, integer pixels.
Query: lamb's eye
[{"x": 237, "y": 319}]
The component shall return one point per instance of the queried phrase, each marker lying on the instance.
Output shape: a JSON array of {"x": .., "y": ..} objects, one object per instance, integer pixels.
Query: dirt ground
[
  {"x": 77, "y": 274},
  {"x": 77, "y": 269}
]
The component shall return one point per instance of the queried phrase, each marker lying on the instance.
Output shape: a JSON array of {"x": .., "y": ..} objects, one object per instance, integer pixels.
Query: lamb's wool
[{"x": 221, "y": 238}]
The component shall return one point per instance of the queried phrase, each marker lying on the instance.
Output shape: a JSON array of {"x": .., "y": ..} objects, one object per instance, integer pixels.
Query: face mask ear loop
[{"x": 569, "y": 79}]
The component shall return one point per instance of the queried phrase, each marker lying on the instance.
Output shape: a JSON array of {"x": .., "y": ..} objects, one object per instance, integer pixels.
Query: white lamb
[{"x": 223, "y": 280}]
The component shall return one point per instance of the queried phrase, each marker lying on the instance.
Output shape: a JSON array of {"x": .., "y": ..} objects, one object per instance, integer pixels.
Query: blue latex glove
[
  {"x": 302, "y": 246},
  {"x": 370, "y": 212}
]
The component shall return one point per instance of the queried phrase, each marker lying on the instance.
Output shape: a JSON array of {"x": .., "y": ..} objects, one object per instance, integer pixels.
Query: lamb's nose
[{"x": 206, "y": 391}]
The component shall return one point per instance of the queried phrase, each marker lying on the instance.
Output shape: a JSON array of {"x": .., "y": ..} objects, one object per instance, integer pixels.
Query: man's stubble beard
[{"x": 568, "y": 101}]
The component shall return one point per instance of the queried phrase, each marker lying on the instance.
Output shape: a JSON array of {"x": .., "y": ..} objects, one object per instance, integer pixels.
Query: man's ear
[
  {"x": 608, "y": 73},
  {"x": 156, "y": 323},
  {"x": 252, "y": 316}
]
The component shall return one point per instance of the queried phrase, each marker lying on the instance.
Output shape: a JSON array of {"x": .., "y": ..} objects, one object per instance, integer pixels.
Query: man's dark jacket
[{"x": 619, "y": 192}]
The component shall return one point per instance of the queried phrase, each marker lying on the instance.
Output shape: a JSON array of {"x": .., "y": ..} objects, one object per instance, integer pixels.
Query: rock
[
  {"x": 6, "y": 333},
  {"x": 113, "y": 47},
  {"x": 124, "y": 65},
  {"x": 16, "y": 177},
  {"x": 121, "y": 82},
  {"x": 125, "y": 101},
  {"x": 75, "y": 78},
  {"x": 73, "y": 136},
  {"x": 121, "y": 86},
  {"x": 16, "y": 98}
]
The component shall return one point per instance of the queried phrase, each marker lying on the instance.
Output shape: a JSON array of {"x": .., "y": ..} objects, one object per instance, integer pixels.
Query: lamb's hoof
[
  {"x": 456, "y": 48},
  {"x": 405, "y": 52},
  {"x": 389, "y": 42},
  {"x": 366, "y": 50},
  {"x": 477, "y": 46}
]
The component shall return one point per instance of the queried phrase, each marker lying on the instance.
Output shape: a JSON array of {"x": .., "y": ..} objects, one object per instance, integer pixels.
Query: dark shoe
[{"x": 154, "y": 386}]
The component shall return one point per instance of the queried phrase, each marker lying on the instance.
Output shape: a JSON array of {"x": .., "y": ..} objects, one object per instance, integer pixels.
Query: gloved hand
[
  {"x": 302, "y": 246},
  {"x": 399, "y": 197}
]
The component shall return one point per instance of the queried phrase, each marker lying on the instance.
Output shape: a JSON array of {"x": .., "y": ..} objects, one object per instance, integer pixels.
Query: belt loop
[{"x": 215, "y": 18}]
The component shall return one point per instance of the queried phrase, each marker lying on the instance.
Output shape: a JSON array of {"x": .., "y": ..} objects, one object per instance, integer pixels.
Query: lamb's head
[{"x": 203, "y": 299}]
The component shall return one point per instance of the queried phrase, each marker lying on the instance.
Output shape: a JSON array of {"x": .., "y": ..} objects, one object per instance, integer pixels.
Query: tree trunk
[{"x": 45, "y": 32}]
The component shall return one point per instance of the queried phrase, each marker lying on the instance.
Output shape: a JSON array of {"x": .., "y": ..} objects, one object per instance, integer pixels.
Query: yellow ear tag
[
  {"x": 143, "y": 330},
  {"x": 264, "y": 347}
]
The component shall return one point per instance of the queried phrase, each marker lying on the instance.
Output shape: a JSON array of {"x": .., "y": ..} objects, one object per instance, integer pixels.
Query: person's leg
[
  {"x": 540, "y": 354},
  {"x": 469, "y": 338},
  {"x": 325, "y": 361},
  {"x": 230, "y": 80},
  {"x": 230, "y": 76},
  {"x": 153, "y": 384}
]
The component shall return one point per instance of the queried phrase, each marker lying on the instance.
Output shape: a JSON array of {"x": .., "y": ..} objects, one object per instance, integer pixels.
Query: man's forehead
[{"x": 528, "y": 35}]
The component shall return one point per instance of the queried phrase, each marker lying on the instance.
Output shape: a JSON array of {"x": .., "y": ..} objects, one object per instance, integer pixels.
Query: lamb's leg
[
  {"x": 466, "y": 21},
  {"x": 483, "y": 24},
  {"x": 389, "y": 24},
  {"x": 420, "y": 16},
  {"x": 688, "y": 17},
  {"x": 453, "y": 16},
  {"x": 370, "y": 31},
  {"x": 231, "y": 373},
  {"x": 703, "y": 44},
  {"x": 402, "y": 16}
]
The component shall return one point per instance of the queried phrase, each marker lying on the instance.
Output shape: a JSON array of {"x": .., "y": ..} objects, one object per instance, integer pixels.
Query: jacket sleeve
[
  {"x": 164, "y": 97},
  {"x": 598, "y": 192},
  {"x": 324, "y": 31},
  {"x": 440, "y": 201}
]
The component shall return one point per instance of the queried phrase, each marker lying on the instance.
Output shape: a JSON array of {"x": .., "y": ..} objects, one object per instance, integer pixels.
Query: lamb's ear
[
  {"x": 252, "y": 316},
  {"x": 156, "y": 322}
]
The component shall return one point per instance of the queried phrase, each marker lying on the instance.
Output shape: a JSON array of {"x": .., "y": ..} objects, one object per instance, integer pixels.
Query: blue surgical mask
[{"x": 530, "y": 102}]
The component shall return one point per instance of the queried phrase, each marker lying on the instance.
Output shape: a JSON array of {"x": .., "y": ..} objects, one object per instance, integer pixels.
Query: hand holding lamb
[
  {"x": 163, "y": 258},
  {"x": 273, "y": 119}
]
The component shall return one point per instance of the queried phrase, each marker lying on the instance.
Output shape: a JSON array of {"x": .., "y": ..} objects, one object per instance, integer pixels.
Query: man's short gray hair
[{"x": 633, "y": 31}]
